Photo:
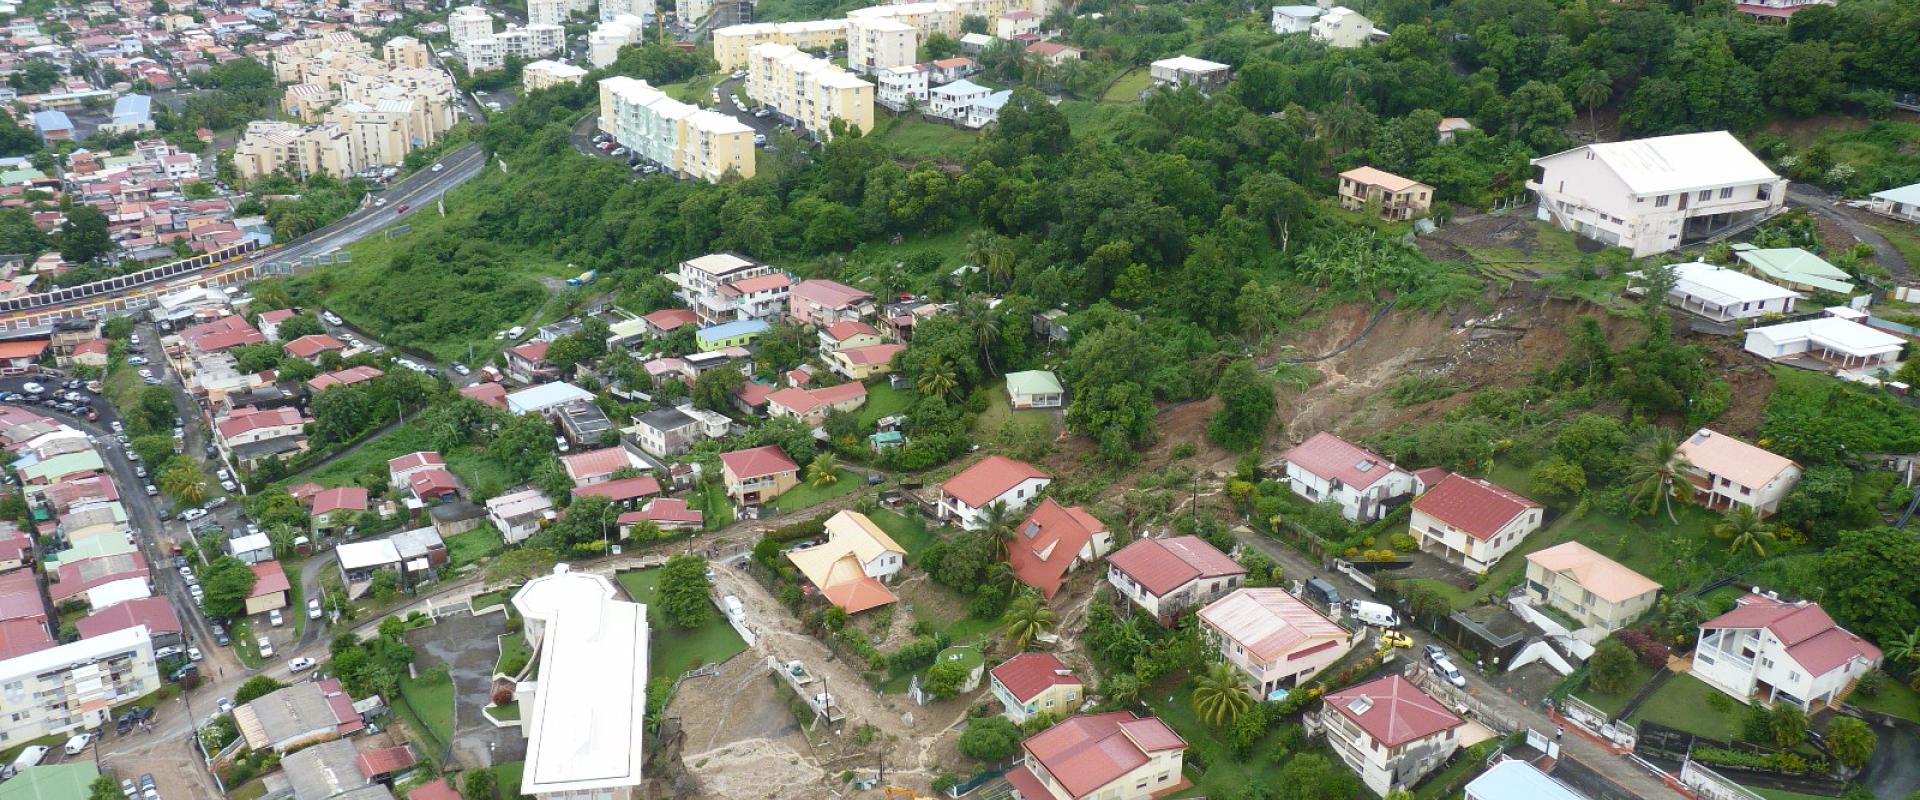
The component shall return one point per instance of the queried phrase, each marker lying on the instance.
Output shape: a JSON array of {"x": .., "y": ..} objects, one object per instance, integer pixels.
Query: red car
[{"x": 402, "y": 209}]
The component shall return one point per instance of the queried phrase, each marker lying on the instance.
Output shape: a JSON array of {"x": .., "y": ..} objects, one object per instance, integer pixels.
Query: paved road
[
  {"x": 1615, "y": 768},
  {"x": 1825, "y": 205}
]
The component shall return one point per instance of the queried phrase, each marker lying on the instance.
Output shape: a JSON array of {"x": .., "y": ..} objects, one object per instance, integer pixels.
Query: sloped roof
[
  {"x": 623, "y": 489},
  {"x": 1595, "y": 573},
  {"x": 1810, "y": 636},
  {"x": 1334, "y": 458},
  {"x": 268, "y": 578},
  {"x": 664, "y": 509},
  {"x": 1393, "y": 710},
  {"x": 758, "y": 461},
  {"x": 596, "y": 462},
  {"x": 154, "y": 612},
  {"x": 989, "y": 478},
  {"x": 1477, "y": 507},
  {"x": 1047, "y": 541},
  {"x": 1368, "y": 176},
  {"x": 1721, "y": 454},
  {"x": 1682, "y": 162},
  {"x": 349, "y": 498},
  {"x": 1269, "y": 622},
  {"x": 1163, "y": 565},
  {"x": 1086, "y": 752},
  {"x": 1026, "y": 675}
]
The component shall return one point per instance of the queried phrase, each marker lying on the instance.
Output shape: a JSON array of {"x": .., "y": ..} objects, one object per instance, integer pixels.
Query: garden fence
[{"x": 1710, "y": 785}]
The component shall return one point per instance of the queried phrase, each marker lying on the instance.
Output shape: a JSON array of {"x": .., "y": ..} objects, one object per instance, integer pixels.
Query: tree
[
  {"x": 937, "y": 379},
  {"x": 1788, "y": 725},
  {"x": 1246, "y": 408},
  {"x": 824, "y": 471},
  {"x": 1745, "y": 530},
  {"x": 944, "y": 679},
  {"x": 154, "y": 449},
  {"x": 228, "y": 582},
  {"x": 1594, "y": 91},
  {"x": 299, "y": 325},
  {"x": 991, "y": 739},
  {"x": 521, "y": 563},
  {"x": 104, "y": 788},
  {"x": 256, "y": 687},
  {"x": 1871, "y": 583},
  {"x": 1851, "y": 741},
  {"x": 1220, "y": 694},
  {"x": 1026, "y": 619},
  {"x": 183, "y": 481},
  {"x": 1611, "y": 669},
  {"x": 1906, "y": 648},
  {"x": 684, "y": 591},
  {"x": 479, "y": 784},
  {"x": 1310, "y": 776},
  {"x": 1659, "y": 477},
  {"x": 83, "y": 237}
]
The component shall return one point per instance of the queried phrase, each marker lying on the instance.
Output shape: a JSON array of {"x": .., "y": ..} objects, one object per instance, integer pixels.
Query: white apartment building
[
  {"x": 606, "y": 39},
  {"x": 585, "y": 716},
  {"x": 613, "y": 9},
  {"x": 1768, "y": 651},
  {"x": 903, "y": 86},
  {"x": 807, "y": 91},
  {"x": 481, "y": 54},
  {"x": 878, "y": 43},
  {"x": 690, "y": 141},
  {"x": 553, "y": 12},
  {"x": 707, "y": 285},
  {"x": 74, "y": 686},
  {"x": 1653, "y": 195},
  {"x": 469, "y": 22}
]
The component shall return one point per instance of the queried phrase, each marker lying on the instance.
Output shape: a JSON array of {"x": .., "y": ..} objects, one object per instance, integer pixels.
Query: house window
[
  {"x": 1764, "y": 192},
  {"x": 1725, "y": 193},
  {"x": 1660, "y": 202},
  {"x": 1705, "y": 194}
]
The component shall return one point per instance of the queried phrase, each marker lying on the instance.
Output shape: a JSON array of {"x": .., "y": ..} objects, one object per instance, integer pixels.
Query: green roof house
[
  {"x": 1795, "y": 268},
  {"x": 69, "y": 781},
  {"x": 1035, "y": 389},
  {"x": 69, "y": 464}
]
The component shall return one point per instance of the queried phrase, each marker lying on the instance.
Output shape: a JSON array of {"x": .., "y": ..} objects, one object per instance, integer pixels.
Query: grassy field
[
  {"x": 1682, "y": 704},
  {"x": 1000, "y": 409},
  {"x": 914, "y": 137},
  {"x": 431, "y": 699},
  {"x": 910, "y": 533},
  {"x": 807, "y": 495},
  {"x": 296, "y": 600},
  {"x": 882, "y": 401},
  {"x": 466, "y": 548},
  {"x": 1128, "y": 88},
  {"x": 1903, "y": 238},
  {"x": 711, "y": 500},
  {"x": 507, "y": 777},
  {"x": 471, "y": 464},
  {"x": 1612, "y": 704},
  {"x": 1088, "y": 118},
  {"x": 1894, "y": 698},
  {"x": 244, "y": 645},
  {"x": 1225, "y": 775},
  {"x": 676, "y": 650}
]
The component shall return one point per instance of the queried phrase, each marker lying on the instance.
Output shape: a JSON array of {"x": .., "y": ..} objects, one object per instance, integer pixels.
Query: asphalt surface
[{"x": 416, "y": 193}]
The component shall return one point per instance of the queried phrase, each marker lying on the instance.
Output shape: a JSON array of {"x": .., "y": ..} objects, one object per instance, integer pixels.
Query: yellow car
[{"x": 1391, "y": 639}]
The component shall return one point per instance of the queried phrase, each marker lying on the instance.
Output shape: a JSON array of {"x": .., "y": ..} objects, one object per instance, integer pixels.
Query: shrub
[
  {"x": 989, "y": 739},
  {"x": 1651, "y": 652},
  {"x": 1404, "y": 543}
]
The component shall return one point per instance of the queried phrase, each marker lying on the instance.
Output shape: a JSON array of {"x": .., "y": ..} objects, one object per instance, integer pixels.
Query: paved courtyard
[{"x": 466, "y": 644}]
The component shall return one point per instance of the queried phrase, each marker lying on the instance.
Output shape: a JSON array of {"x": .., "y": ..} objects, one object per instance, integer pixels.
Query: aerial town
[{"x": 959, "y": 399}]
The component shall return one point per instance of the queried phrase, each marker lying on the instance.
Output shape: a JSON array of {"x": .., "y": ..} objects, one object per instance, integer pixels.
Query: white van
[
  {"x": 77, "y": 743},
  {"x": 30, "y": 757},
  {"x": 1375, "y": 614},
  {"x": 735, "y": 610},
  {"x": 515, "y": 331}
]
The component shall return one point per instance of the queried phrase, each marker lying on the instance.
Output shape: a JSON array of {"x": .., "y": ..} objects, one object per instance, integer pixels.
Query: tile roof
[
  {"x": 375, "y": 763},
  {"x": 990, "y": 478},
  {"x": 1269, "y": 622},
  {"x": 19, "y": 637},
  {"x": 1477, "y": 507},
  {"x": 871, "y": 354},
  {"x": 419, "y": 458},
  {"x": 220, "y": 334},
  {"x": 1393, "y": 710},
  {"x": 313, "y": 344},
  {"x": 802, "y": 401},
  {"x": 433, "y": 482},
  {"x": 246, "y": 420},
  {"x": 439, "y": 789},
  {"x": 1086, "y": 752},
  {"x": 842, "y": 331},
  {"x": 830, "y": 294},
  {"x": 1028, "y": 674},
  {"x": 154, "y": 612},
  {"x": 758, "y": 462},
  {"x": 1163, "y": 565},
  {"x": 754, "y": 393},
  {"x": 594, "y": 463},
  {"x": 268, "y": 578},
  {"x": 1720, "y": 454},
  {"x": 664, "y": 510},
  {"x": 1368, "y": 176},
  {"x": 1332, "y": 457},
  {"x": 348, "y": 498},
  {"x": 623, "y": 489},
  {"x": 1811, "y": 637},
  {"x": 1593, "y": 572},
  {"x": 1046, "y": 543},
  {"x": 668, "y": 319},
  {"x": 491, "y": 394},
  {"x": 535, "y": 350},
  {"x": 343, "y": 377}
]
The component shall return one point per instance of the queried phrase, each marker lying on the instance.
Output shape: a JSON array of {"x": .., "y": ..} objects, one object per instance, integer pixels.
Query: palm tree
[
  {"x": 1746, "y": 530},
  {"x": 997, "y": 524},
  {"x": 992, "y": 254},
  {"x": 1027, "y": 618},
  {"x": 1344, "y": 123},
  {"x": 1661, "y": 476},
  {"x": 184, "y": 482},
  {"x": 1350, "y": 75},
  {"x": 1593, "y": 92},
  {"x": 824, "y": 471},
  {"x": 1906, "y": 648},
  {"x": 985, "y": 326},
  {"x": 938, "y": 379},
  {"x": 1220, "y": 695}
]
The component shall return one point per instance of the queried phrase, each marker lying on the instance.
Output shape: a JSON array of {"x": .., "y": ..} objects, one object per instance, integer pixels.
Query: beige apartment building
[
  {"x": 809, "y": 91},
  {"x": 878, "y": 44},
  {"x": 270, "y": 146},
  {"x": 689, "y": 140},
  {"x": 404, "y": 52},
  {"x": 289, "y": 59},
  {"x": 732, "y": 43},
  {"x": 544, "y": 73}
]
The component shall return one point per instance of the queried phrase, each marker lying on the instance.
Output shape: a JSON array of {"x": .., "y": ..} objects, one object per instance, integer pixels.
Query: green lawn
[
  {"x": 711, "y": 500},
  {"x": 1128, "y": 88},
  {"x": 514, "y": 654},
  {"x": 914, "y": 137},
  {"x": 507, "y": 777},
  {"x": 1095, "y": 120},
  {"x": 296, "y": 600},
  {"x": 499, "y": 597},
  {"x": 1682, "y": 704},
  {"x": 466, "y": 548},
  {"x": 910, "y": 533},
  {"x": 1000, "y": 409},
  {"x": 1434, "y": 786},
  {"x": 676, "y": 650},
  {"x": 1225, "y": 775},
  {"x": 470, "y": 464},
  {"x": 1782, "y": 794},
  {"x": 882, "y": 401},
  {"x": 429, "y": 702},
  {"x": 510, "y": 711},
  {"x": 807, "y": 495},
  {"x": 1612, "y": 703},
  {"x": 1903, "y": 238},
  {"x": 1893, "y": 698},
  {"x": 244, "y": 645}
]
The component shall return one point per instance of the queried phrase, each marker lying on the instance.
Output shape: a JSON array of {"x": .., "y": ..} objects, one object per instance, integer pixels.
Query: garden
[{"x": 676, "y": 649}]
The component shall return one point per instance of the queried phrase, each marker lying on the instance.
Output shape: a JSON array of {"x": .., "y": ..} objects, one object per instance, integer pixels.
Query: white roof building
[
  {"x": 537, "y": 399},
  {"x": 1723, "y": 294},
  {"x": 1653, "y": 195},
  {"x": 369, "y": 554},
  {"x": 585, "y": 715},
  {"x": 1844, "y": 342},
  {"x": 114, "y": 593}
]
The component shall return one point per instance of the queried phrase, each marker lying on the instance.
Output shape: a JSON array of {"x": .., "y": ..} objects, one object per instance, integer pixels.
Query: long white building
[
  {"x": 584, "y": 716},
  {"x": 691, "y": 141},
  {"x": 1653, "y": 195},
  {"x": 74, "y": 686}
]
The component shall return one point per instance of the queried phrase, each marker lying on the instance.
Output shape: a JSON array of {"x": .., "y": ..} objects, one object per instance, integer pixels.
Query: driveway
[
  {"x": 1894, "y": 769},
  {"x": 466, "y": 644},
  {"x": 1823, "y": 204}
]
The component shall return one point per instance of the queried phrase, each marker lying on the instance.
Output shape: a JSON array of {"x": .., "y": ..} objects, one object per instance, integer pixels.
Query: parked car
[
  {"x": 266, "y": 647},
  {"x": 193, "y": 654},
  {"x": 223, "y": 705},
  {"x": 274, "y": 618},
  {"x": 1444, "y": 667},
  {"x": 402, "y": 209},
  {"x": 152, "y": 490},
  {"x": 313, "y": 608},
  {"x": 299, "y": 664},
  {"x": 77, "y": 743}
]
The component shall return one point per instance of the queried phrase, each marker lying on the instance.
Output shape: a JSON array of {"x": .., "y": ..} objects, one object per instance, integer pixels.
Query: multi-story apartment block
[
  {"x": 876, "y": 43},
  {"x": 548, "y": 12},
  {"x": 807, "y": 91},
  {"x": 690, "y": 141},
  {"x": 543, "y": 74},
  {"x": 469, "y": 22},
  {"x": 731, "y": 43},
  {"x": 481, "y": 54},
  {"x": 606, "y": 39},
  {"x": 612, "y": 9},
  {"x": 901, "y": 87},
  {"x": 707, "y": 285},
  {"x": 1653, "y": 195},
  {"x": 75, "y": 686},
  {"x": 404, "y": 52},
  {"x": 271, "y": 146},
  {"x": 1400, "y": 199}
]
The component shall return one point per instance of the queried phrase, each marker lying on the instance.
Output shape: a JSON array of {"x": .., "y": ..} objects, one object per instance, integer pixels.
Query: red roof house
[
  {"x": 623, "y": 491},
  {"x": 666, "y": 513},
  {"x": 1327, "y": 468},
  {"x": 1054, "y": 540},
  {"x": 154, "y": 612},
  {"x": 309, "y": 347},
  {"x": 1086, "y": 754},
  {"x": 597, "y": 466},
  {"x": 1167, "y": 576},
  {"x": 994, "y": 479},
  {"x": 491, "y": 394},
  {"x": 668, "y": 320},
  {"x": 375, "y": 764},
  {"x": 439, "y": 789},
  {"x": 19, "y": 637},
  {"x": 1035, "y": 683},
  {"x": 1803, "y": 656},
  {"x": 1472, "y": 522},
  {"x": 1405, "y": 732},
  {"x": 350, "y": 499}
]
